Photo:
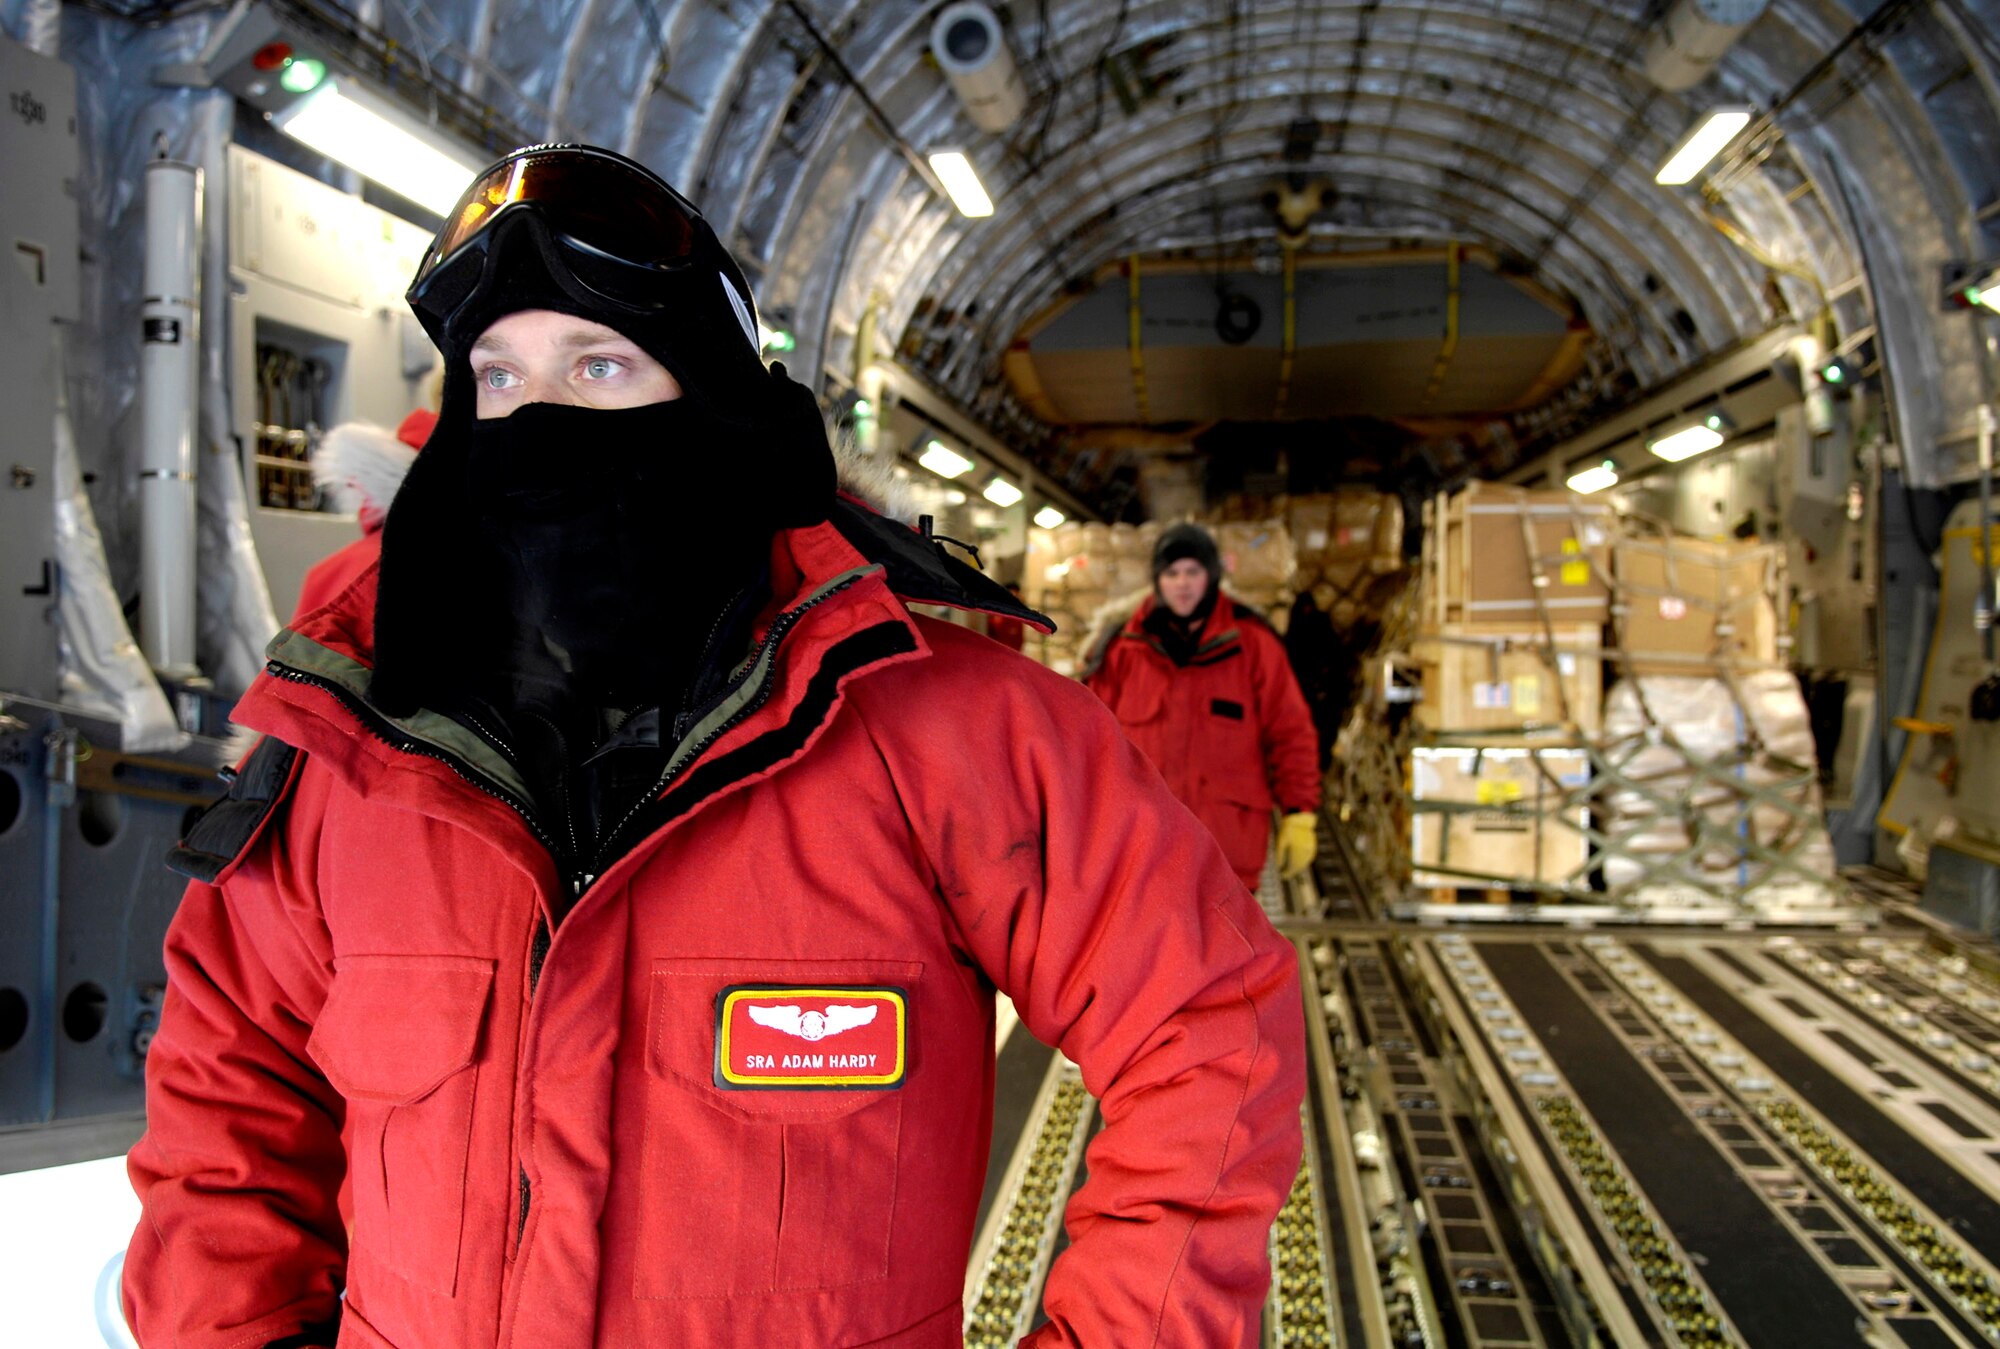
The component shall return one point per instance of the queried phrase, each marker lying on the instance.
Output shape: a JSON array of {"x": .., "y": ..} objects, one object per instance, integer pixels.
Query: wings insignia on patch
[{"x": 811, "y": 1025}]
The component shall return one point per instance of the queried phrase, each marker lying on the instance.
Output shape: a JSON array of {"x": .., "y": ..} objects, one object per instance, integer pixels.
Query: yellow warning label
[
  {"x": 1571, "y": 548},
  {"x": 1500, "y": 793},
  {"x": 1576, "y": 573},
  {"x": 1528, "y": 694}
]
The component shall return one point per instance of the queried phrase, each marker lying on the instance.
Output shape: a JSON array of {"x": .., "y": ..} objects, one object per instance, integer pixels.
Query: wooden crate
[
  {"x": 1480, "y": 679},
  {"x": 1519, "y": 833},
  {"x": 1485, "y": 575}
]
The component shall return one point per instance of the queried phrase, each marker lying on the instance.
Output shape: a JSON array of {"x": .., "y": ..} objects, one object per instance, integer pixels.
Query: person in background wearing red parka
[
  {"x": 372, "y": 464},
  {"x": 631, "y": 871},
  {"x": 1202, "y": 686}
]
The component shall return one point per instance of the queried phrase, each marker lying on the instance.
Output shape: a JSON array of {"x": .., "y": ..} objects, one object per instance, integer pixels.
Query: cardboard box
[
  {"x": 1256, "y": 555},
  {"x": 1479, "y": 679},
  {"x": 1489, "y": 575},
  {"x": 1696, "y": 603},
  {"x": 1349, "y": 526},
  {"x": 1525, "y": 830}
]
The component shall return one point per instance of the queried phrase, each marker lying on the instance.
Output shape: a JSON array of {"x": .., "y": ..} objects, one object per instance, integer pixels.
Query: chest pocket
[
  {"x": 1141, "y": 697},
  {"x": 762, "y": 1191},
  {"x": 399, "y": 1038}
]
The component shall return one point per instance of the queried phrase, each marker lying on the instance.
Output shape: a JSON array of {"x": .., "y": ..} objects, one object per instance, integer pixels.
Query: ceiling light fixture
[
  {"x": 1001, "y": 492},
  {"x": 961, "y": 180},
  {"x": 1706, "y": 139},
  {"x": 1594, "y": 479},
  {"x": 1048, "y": 517},
  {"x": 944, "y": 461},
  {"x": 1686, "y": 442},
  {"x": 370, "y": 137}
]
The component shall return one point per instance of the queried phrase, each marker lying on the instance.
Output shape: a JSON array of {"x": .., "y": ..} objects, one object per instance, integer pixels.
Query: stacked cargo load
[
  {"x": 1605, "y": 717},
  {"x": 1073, "y": 572}
]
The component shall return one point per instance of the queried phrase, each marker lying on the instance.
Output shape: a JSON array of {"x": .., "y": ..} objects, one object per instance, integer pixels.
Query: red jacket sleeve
[
  {"x": 1285, "y": 725},
  {"x": 239, "y": 1242},
  {"x": 1098, "y": 903}
]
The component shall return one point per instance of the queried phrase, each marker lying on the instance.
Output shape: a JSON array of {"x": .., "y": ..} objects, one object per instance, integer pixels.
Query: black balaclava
[
  {"x": 582, "y": 555},
  {"x": 1181, "y": 636}
]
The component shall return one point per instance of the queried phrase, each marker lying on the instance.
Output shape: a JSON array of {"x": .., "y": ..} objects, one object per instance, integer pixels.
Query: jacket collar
[
  {"x": 838, "y": 612},
  {"x": 918, "y": 569},
  {"x": 1219, "y": 637}
]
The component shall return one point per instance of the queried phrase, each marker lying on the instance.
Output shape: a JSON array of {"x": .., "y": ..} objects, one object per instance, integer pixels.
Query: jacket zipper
[{"x": 581, "y": 880}]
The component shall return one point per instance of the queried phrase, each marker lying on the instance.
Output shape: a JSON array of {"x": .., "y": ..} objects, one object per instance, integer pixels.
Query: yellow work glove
[{"x": 1298, "y": 842}]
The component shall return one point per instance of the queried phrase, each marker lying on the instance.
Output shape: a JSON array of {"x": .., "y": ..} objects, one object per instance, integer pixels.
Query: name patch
[{"x": 826, "y": 1039}]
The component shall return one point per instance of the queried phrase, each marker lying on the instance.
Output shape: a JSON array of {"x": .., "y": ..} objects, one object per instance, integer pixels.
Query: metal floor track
[{"x": 1527, "y": 1136}]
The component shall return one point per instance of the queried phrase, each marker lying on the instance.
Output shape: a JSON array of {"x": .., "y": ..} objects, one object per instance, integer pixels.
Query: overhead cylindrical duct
[
  {"x": 168, "y": 361},
  {"x": 1692, "y": 36},
  {"x": 973, "y": 51}
]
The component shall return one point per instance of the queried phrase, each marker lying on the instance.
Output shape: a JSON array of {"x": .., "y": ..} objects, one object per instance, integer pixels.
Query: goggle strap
[{"x": 744, "y": 318}]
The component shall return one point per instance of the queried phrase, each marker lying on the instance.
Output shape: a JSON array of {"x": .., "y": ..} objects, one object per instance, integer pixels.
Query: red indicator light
[{"x": 272, "y": 55}]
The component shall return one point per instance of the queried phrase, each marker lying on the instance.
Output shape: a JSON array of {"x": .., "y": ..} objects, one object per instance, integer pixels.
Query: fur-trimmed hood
[{"x": 368, "y": 463}]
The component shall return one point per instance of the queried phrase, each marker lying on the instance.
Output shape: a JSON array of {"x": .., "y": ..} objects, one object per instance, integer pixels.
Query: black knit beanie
[{"x": 1185, "y": 541}]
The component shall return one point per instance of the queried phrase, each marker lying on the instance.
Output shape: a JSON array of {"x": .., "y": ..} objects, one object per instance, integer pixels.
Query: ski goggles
[{"x": 622, "y": 228}]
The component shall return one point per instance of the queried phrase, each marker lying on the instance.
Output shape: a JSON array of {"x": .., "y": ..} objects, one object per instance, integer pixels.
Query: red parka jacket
[
  {"x": 1229, "y": 730},
  {"x": 550, "y": 1149}
]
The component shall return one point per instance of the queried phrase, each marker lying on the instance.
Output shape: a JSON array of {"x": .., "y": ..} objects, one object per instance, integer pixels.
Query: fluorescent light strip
[
  {"x": 943, "y": 460},
  {"x": 1594, "y": 479},
  {"x": 961, "y": 180},
  {"x": 1001, "y": 492},
  {"x": 1685, "y": 443},
  {"x": 346, "y": 129},
  {"x": 1710, "y": 136}
]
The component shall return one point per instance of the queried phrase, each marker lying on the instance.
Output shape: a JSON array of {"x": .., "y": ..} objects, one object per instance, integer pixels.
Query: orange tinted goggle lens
[{"x": 597, "y": 202}]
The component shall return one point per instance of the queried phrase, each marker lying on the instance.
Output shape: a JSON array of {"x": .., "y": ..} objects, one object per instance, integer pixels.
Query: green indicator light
[
  {"x": 863, "y": 408},
  {"x": 1714, "y": 421},
  {"x": 1834, "y": 374},
  {"x": 780, "y": 340},
  {"x": 301, "y": 75}
]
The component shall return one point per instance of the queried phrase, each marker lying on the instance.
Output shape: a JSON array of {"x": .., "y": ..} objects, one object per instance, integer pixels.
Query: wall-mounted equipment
[
  {"x": 972, "y": 51},
  {"x": 319, "y": 335},
  {"x": 1707, "y": 138},
  {"x": 38, "y": 292},
  {"x": 169, "y": 366}
]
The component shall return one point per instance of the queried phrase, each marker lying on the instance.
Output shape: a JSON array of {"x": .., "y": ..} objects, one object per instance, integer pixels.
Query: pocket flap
[
  {"x": 1140, "y": 701},
  {"x": 688, "y": 1002},
  {"x": 395, "y": 1027}
]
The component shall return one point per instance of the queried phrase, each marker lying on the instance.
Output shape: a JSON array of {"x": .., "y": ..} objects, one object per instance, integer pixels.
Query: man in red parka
[
  {"x": 632, "y": 872},
  {"x": 1202, "y": 686}
]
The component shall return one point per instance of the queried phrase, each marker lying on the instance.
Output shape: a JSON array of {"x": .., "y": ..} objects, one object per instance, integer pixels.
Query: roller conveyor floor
[{"x": 1546, "y": 1137}]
